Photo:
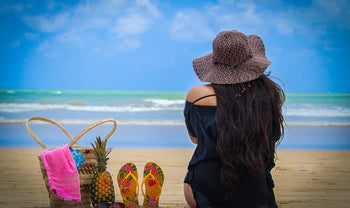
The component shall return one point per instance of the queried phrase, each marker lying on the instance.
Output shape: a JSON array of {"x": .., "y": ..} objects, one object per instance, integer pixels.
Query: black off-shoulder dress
[{"x": 204, "y": 167}]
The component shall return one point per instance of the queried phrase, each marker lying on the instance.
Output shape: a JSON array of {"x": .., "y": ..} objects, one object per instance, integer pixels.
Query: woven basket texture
[{"x": 86, "y": 172}]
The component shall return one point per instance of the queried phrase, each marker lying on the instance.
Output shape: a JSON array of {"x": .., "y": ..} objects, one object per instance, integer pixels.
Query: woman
[{"x": 235, "y": 122}]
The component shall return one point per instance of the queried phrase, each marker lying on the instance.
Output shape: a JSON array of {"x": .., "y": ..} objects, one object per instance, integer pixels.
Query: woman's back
[{"x": 204, "y": 167}]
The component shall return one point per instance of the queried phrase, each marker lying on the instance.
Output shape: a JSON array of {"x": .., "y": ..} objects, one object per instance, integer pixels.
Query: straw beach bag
[{"x": 87, "y": 169}]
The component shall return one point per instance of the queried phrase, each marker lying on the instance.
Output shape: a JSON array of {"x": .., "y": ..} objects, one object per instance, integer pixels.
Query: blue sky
[{"x": 150, "y": 44}]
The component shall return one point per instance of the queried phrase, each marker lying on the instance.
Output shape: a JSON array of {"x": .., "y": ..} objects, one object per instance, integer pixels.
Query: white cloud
[
  {"x": 263, "y": 18},
  {"x": 329, "y": 6},
  {"x": 132, "y": 24},
  {"x": 332, "y": 13},
  {"x": 99, "y": 22},
  {"x": 47, "y": 24},
  {"x": 72, "y": 36},
  {"x": 17, "y": 7},
  {"x": 129, "y": 43},
  {"x": 283, "y": 26},
  {"x": 45, "y": 49},
  {"x": 152, "y": 10},
  {"x": 249, "y": 13},
  {"x": 137, "y": 19},
  {"x": 11, "y": 7},
  {"x": 241, "y": 15},
  {"x": 93, "y": 25},
  {"x": 15, "y": 44},
  {"x": 203, "y": 24},
  {"x": 31, "y": 36},
  {"x": 190, "y": 26},
  {"x": 44, "y": 46}
]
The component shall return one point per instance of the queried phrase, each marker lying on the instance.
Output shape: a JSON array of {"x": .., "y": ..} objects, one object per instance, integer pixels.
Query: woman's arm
[{"x": 193, "y": 139}]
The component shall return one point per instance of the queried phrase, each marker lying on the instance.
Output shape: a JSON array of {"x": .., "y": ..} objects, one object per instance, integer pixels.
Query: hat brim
[{"x": 208, "y": 70}]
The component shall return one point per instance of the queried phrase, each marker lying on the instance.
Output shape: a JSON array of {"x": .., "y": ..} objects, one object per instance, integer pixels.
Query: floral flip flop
[
  {"x": 128, "y": 184},
  {"x": 153, "y": 178}
]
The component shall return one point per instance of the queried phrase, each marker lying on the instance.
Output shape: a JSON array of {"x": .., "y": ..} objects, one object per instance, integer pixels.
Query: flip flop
[
  {"x": 153, "y": 179},
  {"x": 128, "y": 184}
]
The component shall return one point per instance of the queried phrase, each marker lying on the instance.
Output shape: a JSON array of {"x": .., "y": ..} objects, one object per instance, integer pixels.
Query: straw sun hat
[{"x": 235, "y": 58}]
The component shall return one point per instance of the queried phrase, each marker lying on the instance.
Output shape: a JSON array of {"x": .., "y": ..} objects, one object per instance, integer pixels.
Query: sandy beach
[{"x": 303, "y": 178}]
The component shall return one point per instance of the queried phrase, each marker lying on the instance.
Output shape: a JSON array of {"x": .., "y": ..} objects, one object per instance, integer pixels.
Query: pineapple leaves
[{"x": 101, "y": 154}]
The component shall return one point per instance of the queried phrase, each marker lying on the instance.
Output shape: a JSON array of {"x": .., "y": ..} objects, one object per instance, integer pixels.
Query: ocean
[{"x": 155, "y": 118}]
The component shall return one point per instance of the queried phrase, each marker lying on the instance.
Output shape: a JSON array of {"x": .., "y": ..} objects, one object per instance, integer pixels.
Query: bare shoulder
[{"x": 200, "y": 91}]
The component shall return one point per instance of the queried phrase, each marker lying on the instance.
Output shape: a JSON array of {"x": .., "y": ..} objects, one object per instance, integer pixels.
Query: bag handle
[
  {"x": 93, "y": 126},
  {"x": 42, "y": 145}
]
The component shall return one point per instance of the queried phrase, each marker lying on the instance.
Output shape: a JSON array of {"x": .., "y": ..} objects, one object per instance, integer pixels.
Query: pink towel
[{"x": 62, "y": 173}]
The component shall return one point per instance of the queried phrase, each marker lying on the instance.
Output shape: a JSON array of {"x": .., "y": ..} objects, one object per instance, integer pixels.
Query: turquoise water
[
  {"x": 153, "y": 107},
  {"x": 155, "y": 118},
  {"x": 73, "y": 106}
]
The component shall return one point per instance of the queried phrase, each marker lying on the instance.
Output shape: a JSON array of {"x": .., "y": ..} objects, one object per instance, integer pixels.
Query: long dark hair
[{"x": 247, "y": 113}]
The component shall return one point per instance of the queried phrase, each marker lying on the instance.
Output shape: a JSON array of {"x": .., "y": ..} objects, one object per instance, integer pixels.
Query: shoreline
[
  {"x": 303, "y": 178},
  {"x": 153, "y": 136}
]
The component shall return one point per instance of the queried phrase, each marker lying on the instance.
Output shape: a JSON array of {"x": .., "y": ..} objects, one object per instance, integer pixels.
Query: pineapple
[{"x": 102, "y": 184}]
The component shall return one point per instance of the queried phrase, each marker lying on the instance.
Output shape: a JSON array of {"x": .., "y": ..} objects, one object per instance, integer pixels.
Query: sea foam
[
  {"x": 168, "y": 122},
  {"x": 163, "y": 105}
]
